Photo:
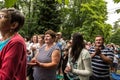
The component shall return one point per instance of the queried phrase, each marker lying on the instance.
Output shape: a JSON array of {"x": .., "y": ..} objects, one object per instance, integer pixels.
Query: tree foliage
[
  {"x": 10, "y": 3},
  {"x": 87, "y": 18},
  {"x": 117, "y": 1},
  {"x": 93, "y": 19},
  {"x": 67, "y": 16},
  {"x": 116, "y": 37},
  {"x": 49, "y": 15}
]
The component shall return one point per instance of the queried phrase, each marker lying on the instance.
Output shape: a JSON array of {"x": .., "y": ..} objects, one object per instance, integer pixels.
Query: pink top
[{"x": 13, "y": 59}]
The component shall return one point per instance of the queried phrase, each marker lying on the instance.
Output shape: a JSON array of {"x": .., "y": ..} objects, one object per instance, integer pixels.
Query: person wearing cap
[
  {"x": 60, "y": 41},
  {"x": 61, "y": 44}
]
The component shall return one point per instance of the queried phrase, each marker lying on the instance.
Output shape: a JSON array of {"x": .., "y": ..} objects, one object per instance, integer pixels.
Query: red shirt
[{"x": 13, "y": 59}]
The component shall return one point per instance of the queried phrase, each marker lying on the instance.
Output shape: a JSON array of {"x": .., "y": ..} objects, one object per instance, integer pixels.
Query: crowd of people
[
  {"x": 82, "y": 60},
  {"x": 45, "y": 56}
]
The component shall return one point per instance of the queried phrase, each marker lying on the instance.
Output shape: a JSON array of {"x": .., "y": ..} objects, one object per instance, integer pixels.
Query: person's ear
[{"x": 14, "y": 25}]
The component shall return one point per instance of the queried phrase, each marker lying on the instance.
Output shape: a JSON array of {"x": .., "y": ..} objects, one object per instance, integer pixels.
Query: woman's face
[
  {"x": 40, "y": 39},
  {"x": 34, "y": 38},
  {"x": 4, "y": 22},
  {"x": 48, "y": 39}
]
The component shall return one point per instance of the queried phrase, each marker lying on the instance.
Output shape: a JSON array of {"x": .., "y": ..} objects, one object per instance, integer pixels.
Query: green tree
[
  {"x": 41, "y": 15},
  {"x": 116, "y": 25},
  {"x": 87, "y": 18},
  {"x": 67, "y": 16},
  {"x": 117, "y": 1},
  {"x": 115, "y": 38},
  {"x": 31, "y": 26},
  {"x": 94, "y": 23},
  {"x": 9, "y": 3},
  {"x": 49, "y": 15},
  {"x": 71, "y": 16}
]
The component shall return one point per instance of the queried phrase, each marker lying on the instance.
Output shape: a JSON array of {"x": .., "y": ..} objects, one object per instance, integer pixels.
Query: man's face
[
  {"x": 98, "y": 41},
  {"x": 58, "y": 36}
]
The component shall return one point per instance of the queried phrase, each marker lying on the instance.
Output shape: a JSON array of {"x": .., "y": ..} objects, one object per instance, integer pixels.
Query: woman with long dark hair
[{"x": 79, "y": 60}]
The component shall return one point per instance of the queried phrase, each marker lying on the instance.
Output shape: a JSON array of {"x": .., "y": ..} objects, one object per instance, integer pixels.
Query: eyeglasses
[{"x": 2, "y": 16}]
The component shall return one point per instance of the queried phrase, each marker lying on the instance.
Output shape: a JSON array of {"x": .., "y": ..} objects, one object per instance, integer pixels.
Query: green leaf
[
  {"x": 116, "y": 1},
  {"x": 10, "y": 3},
  {"x": 118, "y": 10},
  {"x": 66, "y": 2},
  {"x": 59, "y": 1}
]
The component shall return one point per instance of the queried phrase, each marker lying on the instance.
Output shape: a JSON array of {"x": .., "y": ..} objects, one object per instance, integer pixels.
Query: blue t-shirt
[
  {"x": 59, "y": 44},
  {"x": 3, "y": 43}
]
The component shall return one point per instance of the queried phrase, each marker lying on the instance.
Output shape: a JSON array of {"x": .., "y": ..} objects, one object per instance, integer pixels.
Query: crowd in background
[
  {"x": 50, "y": 57},
  {"x": 37, "y": 41}
]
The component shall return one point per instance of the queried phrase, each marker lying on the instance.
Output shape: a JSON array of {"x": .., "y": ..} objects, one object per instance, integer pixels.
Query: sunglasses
[{"x": 2, "y": 16}]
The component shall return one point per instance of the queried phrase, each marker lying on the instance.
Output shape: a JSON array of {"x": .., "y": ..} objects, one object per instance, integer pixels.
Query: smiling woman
[{"x": 46, "y": 61}]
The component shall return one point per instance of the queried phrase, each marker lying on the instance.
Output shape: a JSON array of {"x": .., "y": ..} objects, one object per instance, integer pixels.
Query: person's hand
[
  {"x": 32, "y": 62},
  {"x": 38, "y": 63},
  {"x": 97, "y": 50},
  {"x": 67, "y": 69},
  {"x": 28, "y": 52},
  {"x": 33, "y": 48}
]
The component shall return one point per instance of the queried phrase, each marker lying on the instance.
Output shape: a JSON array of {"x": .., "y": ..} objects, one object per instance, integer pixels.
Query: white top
[
  {"x": 115, "y": 58},
  {"x": 84, "y": 69}
]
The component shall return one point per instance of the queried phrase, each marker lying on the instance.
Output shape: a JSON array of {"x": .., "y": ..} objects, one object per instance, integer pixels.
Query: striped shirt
[{"x": 101, "y": 68}]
